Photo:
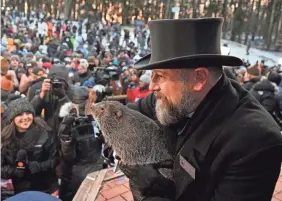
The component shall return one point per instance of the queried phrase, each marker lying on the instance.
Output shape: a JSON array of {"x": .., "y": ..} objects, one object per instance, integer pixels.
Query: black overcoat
[{"x": 229, "y": 150}]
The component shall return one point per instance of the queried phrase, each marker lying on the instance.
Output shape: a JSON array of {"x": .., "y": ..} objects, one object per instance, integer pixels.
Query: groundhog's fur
[{"x": 135, "y": 138}]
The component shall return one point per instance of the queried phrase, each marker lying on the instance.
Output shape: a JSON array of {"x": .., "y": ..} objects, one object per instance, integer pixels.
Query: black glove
[
  {"x": 19, "y": 173},
  {"x": 34, "y": 167},
  {"x": 145, "y": 180},
  {"x": 65, "y": 128}
]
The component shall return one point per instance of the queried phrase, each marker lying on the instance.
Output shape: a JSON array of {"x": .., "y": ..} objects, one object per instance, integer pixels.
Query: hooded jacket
[{"x": 266, "y": 93}]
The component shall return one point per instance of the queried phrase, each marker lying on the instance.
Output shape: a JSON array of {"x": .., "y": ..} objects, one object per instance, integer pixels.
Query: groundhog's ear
[{"x": 118, "y": 114}]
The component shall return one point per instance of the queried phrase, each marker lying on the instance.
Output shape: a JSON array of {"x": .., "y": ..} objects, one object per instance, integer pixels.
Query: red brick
[
  {"x": 111, "y": 184},
  {"x": 117, "y": 198},
  {"x": 127, "y": 196},
  {"x": 100, "y": 198},
  {"x": 108, "y": 194},
  {"x": 127, "y": 185},
  {"x": 105, "y": 187}
]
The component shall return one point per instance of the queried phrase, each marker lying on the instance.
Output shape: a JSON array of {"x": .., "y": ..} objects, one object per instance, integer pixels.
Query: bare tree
[{"x": 69, "y": 4}]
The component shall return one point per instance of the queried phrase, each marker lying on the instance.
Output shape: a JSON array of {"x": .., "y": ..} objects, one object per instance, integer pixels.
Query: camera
[{"x": 56, "y": 83}]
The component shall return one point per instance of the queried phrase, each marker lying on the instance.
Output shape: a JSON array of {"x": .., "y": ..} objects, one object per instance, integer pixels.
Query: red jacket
[{"x": 135, "y": 94}]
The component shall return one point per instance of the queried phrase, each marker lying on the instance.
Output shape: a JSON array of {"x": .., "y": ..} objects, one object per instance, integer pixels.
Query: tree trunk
[
  {"x": 68, "y": 8},
  {"x": 270, "y": 28},
  {"x": 279, "y": 19},
  {"x": 255, "y": 27},
  {"x": 124, "y": 12},
  {"x": 224, "y": 12},
  {"x": 55, "y": 8},
  {"x": 250, "y": 21},
  {"x": 167, "y": 9},
  {"x": 194, "y": 5}
]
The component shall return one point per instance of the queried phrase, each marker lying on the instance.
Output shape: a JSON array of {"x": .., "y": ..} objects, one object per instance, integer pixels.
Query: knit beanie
[
  {"x": 15, "y": 57},
  {"x": 7, "y": 83},
  {"x": 145, "y": 78},
  {"x": 19, "y": 106},
  {"x": 38, "y": 71},
  {"x": 274, "y": 77},
  {"x": 59, "y": 71},
  {"x": 253, "y": 70},
  {"x": 84, "y": 63}
]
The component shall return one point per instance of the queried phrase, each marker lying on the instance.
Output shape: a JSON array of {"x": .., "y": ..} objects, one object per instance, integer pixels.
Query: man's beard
[{"x": 168, "y": 113}]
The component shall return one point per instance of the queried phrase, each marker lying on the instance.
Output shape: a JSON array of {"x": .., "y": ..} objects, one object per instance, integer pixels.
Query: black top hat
[{"x": 186, "y": 43}]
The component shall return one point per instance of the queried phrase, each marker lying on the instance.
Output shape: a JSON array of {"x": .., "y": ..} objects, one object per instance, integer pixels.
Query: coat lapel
[{"x": 195, "y": 141}]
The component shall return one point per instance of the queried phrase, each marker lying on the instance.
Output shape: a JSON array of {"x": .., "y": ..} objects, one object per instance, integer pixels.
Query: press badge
[{"x": 187, "y": 167}]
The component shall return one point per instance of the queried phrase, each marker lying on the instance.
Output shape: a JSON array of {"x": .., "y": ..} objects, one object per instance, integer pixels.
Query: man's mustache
[{"x": 158, "y": 95}]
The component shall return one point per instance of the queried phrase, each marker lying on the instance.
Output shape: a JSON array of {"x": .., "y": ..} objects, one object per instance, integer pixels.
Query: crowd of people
[{"x": 52, "y": 71}]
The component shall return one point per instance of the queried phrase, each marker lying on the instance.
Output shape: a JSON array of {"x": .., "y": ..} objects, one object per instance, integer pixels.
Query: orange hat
[
  {"x": 7, "y": 83},
  {"x": 4, "y": 66}
]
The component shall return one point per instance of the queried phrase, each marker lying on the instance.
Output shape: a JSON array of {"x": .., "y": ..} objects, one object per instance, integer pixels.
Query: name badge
[{"x": 187, "y": 167}]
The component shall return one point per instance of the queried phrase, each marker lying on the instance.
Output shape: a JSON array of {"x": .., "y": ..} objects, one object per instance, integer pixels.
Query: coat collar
[
  {"x": 211, "y": 115},
  {"x": 201, "y": 130}
]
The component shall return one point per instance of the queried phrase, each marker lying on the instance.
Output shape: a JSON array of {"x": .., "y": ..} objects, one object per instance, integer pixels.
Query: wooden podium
[{"x": 104, "y": 185}]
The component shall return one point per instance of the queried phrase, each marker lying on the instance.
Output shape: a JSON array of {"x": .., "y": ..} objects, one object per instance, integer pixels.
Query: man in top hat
[{"x": 226, "y": 147}]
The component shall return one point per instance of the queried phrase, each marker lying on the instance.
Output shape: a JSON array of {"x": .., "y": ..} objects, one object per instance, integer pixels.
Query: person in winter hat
[
  {"x": 253, "y": 76},
  {"x": 275, "y": 78},
  {"x": 141, "y": 91},
  {"x": 4, "y": 68},
  {"x": 266, "y": 92},
  {"x": 83, "y": 77},
  {"x": 38, "y": 74},
  {"x": 6, "y": 86},
  {"x": 15, "y": 59},
  {"x": 27, "y": 142}
]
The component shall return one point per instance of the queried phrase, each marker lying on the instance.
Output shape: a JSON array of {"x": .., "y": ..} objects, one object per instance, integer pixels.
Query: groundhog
[{"x": 135, "y": 138}]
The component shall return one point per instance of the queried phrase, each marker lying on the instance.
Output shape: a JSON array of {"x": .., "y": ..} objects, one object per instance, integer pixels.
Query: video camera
[{"x": 83, "y": 125}]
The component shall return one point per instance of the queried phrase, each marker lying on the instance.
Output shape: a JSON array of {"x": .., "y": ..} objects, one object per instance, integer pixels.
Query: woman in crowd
[{"x": 28, "y": 152}]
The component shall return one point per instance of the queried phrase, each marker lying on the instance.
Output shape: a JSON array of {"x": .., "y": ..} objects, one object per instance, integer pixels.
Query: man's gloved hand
[
  {"x": 65, "y": 128},
  {"x": 33, "y": 167},
  {"x": 145, "y": 180}
]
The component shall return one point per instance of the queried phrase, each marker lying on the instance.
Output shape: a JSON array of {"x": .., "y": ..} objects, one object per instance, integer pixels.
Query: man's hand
[
  {"x": 46, "y": 87},
  {"x": 65, "y": 128},
  {"x": 148, "y": 182},
  {"x": 92, "y": 96}
]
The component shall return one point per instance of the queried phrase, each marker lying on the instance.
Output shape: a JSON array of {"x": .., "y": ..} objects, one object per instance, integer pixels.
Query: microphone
[{"x": 21, "y": 160}]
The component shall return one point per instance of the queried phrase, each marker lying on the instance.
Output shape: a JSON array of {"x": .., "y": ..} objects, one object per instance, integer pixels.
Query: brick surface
[
  {"x": 111, "y": 193},
  {"x": 117, "y": 198},
  {"x": 105, "y": 187},
  {"x": 118, "y": 190},
  {"x": 100, "y": 198},
  {"x": 127, "y": 196},
  {"x": 112, "y": 183},
  {"x": 127, "y": 185}
]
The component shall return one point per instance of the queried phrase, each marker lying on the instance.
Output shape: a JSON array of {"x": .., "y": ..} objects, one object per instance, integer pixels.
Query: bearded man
[{"x": 226, "y": 147}]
